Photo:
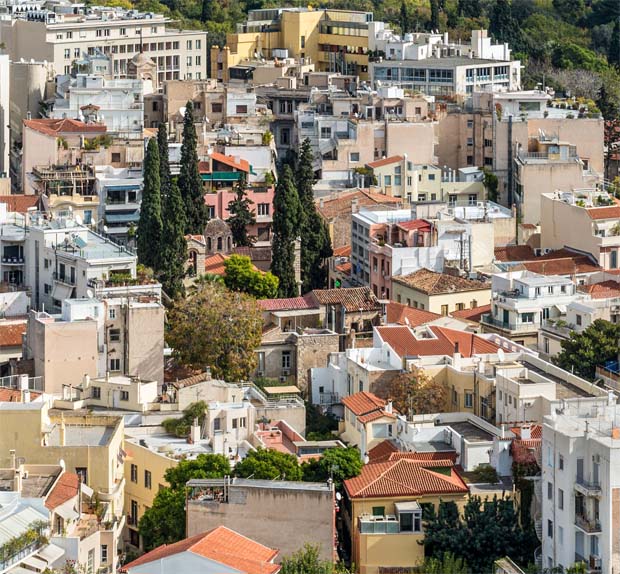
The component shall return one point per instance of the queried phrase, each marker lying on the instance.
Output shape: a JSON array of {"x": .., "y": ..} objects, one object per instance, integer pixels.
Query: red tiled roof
[
  {"x": 20, "y": 203},
  {"x": 404, "y": 342},
  {"x": 397, "y": 313},
  {"x": 602, "y": 290},
  {"x": 385, "y": 161},
  {"x": 433, "y": 283},
  {"x": 344, "y": 267},
  {"x": 352, "y": 299},
  {"x": 566, "y": 266},
  {"x": 199, "y": 238},
  {"x": 405, "y": 477},
  {"x": 11, "y": 332},
  {"x": 65, "y": 489},
  {"x": 214, "y": 264},
  {"x": 608, "y": 212},
  {"x": 342, "y": 204},
  {"x": 222, "y": 545},
  {"x": 472, "y": 314},
  {"x": 414, "y": 224},
  {"x": 387, "y": 451},
  {"x": 290, "y": 304},
  {"x": 344, "y": 251},
  {"x": 535, "y": 432},
  {"x": 229, "y": 160},
  {"x": 15, "y": 395},
  {"x": 514, "y": 253},
  {"x": 55, "y": 127},
  {"x": 363, "y": 403}
]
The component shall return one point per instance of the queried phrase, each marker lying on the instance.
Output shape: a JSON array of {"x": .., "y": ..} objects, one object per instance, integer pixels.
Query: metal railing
[
  {"x": 586, "y": 524},
  {"x": 508, "y": 326}
]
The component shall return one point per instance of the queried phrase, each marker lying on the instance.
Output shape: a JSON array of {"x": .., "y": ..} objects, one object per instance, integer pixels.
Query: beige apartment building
[{"x": 120, "y": 34}]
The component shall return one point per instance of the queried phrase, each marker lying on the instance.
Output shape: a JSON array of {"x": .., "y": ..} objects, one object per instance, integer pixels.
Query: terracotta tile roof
[
  {"x": 352, "y": 299},
  {"x": 382, "y": 451},
  {"x": 254, "y": 253},
  {"x": 191, "y": 381},
  {"x": 385, "y": 161},
  {"x": 65, "y": 489},
  {"x": 514, "y": 253},
  {"x": 221, "y": 545},
  {"x": 397, "y": 313},
  {"x": 344, "y": 251},
  {"x": 535, "y": 432},
  {"x": 379, "y": 414},
  {"x": 566, "y": 266},
  {"x": 198, "y": 238},
  {"x": 344, "y": 268},
  {"x": 387, "y": 451},
  {"x": 15, "y": 395},
  {"x": 406, "y": 477},
  {"x": 214, "y": 264},
  {"x": 433, "y": 283},
  {"x": 603, "y": 290},
  {"x": 405, "y": 343},
  {"x": 20, "y": 203},
  {"x": 290, "y": 304},
  {"x": 56, "y": 127},
  {"x": 473, "y": 314},
  {"x": 342, "y": 204},
  {"x": 609, "y": 212},
  {"x": 414, "y": 224},
  {"x": 11, "y": 332},
  {"x": 363, "y": 403},
  {"x": 229, "y": 160}
]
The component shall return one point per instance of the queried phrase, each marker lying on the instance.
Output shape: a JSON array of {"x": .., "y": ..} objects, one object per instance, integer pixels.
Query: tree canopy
[
  {"x": 216, "y": 328},
  {"x": 308, "y": 561},
  {"x": 269, "y": 465},
  {"x": 417, "y": 393},
  {"x": 241, "y": 215},
  {"x": 337, "y": 463},
  {"x": 242, "y": 276},
  {"x": 150, "y": 225},
  {"x": 582, "y": 352}
]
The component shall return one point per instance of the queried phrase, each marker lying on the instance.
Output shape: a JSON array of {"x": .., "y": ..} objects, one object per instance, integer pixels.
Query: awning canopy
[
  {"x": 35, "y": 563},
  {"x": 134, "y": 216},
  {"x": 61, "y": 291},
  {"x": 51, "y": 553},
  {"x": 67, "y": 511},
  {"x": 561, "y": 308},
  {"x": 87, "y": 490}
]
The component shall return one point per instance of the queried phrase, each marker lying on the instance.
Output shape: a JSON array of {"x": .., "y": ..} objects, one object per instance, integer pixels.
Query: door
[{"x": 116, "y": 395}]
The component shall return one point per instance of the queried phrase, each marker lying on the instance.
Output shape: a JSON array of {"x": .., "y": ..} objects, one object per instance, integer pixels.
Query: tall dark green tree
[
  {"x": 434, "y": 21},
  {"x": 241, "y": 215},
  {"x": 286, "y": 218},
  {"x": 206, "y": 12},
  {"x": 405, "y": 20},
  {"x": 164, "y": 161},
  {"x": 468, "y": 8},
  {"x": 613, "y": 56},
  {"x": 502, "y": 24},
  {"x": 174, "y": 247},
  {"x": 315, "y": 240},
  {"x": 150, "y": 225},
  {"x": 190, "y": 183}
]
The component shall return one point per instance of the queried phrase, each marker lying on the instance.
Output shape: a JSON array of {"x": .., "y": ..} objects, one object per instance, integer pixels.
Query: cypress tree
[
  {"x": 315, "y": 240},
  {"x": 164, "y": 161},
  {"x": 174, "y": 247},
  {"x": 150, "y": 224},
  {"x": 286, "y": 216},
  {"x": 614, "y": 46},
  {"x": 405, "y": 23},
  {"x": 434, "y": 22},
  {"x": 190, "y": 183},
  {"x": 241, "y": 215}
]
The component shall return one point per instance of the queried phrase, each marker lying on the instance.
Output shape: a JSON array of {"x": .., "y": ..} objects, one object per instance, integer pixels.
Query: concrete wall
[
  {"x": 276, "y": 517},
  {"x": 404, "y": 294},
  {"x": 313, "y": 351}
]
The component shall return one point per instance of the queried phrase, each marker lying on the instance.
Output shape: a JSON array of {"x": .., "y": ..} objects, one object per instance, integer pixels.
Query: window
[
  {"x": 410, "y": 521},
  {"x": 613, "y": 259},
  {"x": 198, "y": 61},
  {"x": 470, "y": 124},
  {"x": 67, "y": 53},
  {"x": 188, "y": 61},
  {"x": 115, "y": 335},
  {"x": 560, "y": 535},
  {"x": 550, "y": 528},
  {"x": 217, "y": 424},
  {"x": 115, "y": 364},
  {"x": 286, "y": 359},
  {"x": 354, "y": 156},
  {"x": 112, "y": 314},
  {"x": 216, "y": 108},
  {"x": 189, "y": 44},
  {"x": 122, "y": 31},
  {"x": 198, "y": 44},
  {"x": 134, "y": 473},
  {"x": 90, "y": 567},
  {"x": 444, "y": 310},
  {"x": 470, "y": 160},
  {"x": 470, "y": 141},
  {"x": 133, "y": 515},
  {"x": 124, "y": 395},
  {"x": 263, "y": 209},
  {"x": 488, "y": 143},
  {"x": 96, "y": 392},
  {"x": 285, "y": 136},
  {"x": 147, "y": 479},
  {"x": 387, "y": 180},
  {"x": 241, "y": 109},
  {"x": 326, "y": 132},
  {"x": 378, "y": 510},
  {"x": 527, "y": 317},
  {"x": 104, "y": 553},
  {"x": 561, "y": 462},
  {"x": 560, "y": 499},
  {"x": 549, "y": 490},
  {"x": 469, "y": 400}
]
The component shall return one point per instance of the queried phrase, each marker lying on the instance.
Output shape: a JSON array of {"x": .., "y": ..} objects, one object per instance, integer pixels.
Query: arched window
[{"x": 219, "y": 243}]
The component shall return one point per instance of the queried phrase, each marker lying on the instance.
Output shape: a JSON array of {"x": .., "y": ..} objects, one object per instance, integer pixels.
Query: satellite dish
[
  {"x": 89, "y": 293},
  {"x": 182, "y": 110},
  {"x": 338, "y": 496},
  {"x": 501, "y": 355},
  {"x": 105, "y": 228},
  {"x": 78, "y": 220}
]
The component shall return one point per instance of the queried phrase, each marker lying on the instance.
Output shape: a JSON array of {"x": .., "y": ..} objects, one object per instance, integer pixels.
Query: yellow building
[
  {"x": 383, "y": 507},
  {"x": 439, "y": 292},
  {"x": 334, "y": 40}
]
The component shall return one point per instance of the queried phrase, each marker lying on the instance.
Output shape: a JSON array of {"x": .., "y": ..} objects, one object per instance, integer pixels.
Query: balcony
[
  {"x": 511, "y": 327},
  {"x": 329, "y": 398},
  {"x": 588, "y": 488},
  {"x": 64, "y": 279},
  {"x": 594, "y": 564},
  {"x": 12, "y": 260},
  {"x": 379, "y": 524},
  {"x": 587, "y": 525}
]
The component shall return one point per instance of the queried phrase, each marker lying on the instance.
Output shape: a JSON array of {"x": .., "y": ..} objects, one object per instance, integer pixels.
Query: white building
[
  {"x": 4, "y": 115},
  {"x": 581, "y": 488},
  {"x": 63, "y": 259}
]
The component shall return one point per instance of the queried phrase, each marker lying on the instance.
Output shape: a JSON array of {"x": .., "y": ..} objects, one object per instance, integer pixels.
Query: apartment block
[{"x": 63, "y": 38}]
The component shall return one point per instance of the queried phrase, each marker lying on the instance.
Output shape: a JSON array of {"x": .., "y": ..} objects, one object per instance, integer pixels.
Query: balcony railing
[
  {"x": 67, "y": 280},
  {"x": 590, "y": 488},
  {"x": 509, "y": 326},
  {"x": 590, "y": 526},
  {"x": 379, "y": 524},
  {"x": 9, "y": 561},
  {"x": 329, "y": 398}
]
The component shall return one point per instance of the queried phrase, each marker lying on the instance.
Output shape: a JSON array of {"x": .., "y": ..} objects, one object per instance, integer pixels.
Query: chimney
[
  {"x": 23, "y": 382},
  {"x": 194, "y": 433},
  {"x": 354, "y": 207},
  {"x": 62, "y": 431},
  {"x": 388, "y": 407},
  {"x": 456, "y": 357},
  {"x": 321, "y": 203},
  {"x": 26, "y": 396},
  {"x": 526, "y": 433}
]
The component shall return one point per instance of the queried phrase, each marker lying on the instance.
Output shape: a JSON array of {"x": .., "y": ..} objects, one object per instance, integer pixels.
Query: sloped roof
[
  {"x": 514, "y": 253},
  {"x": 222, "y": 545},
  {"x": 11, "y": 332},
  {"x": 56, "y": 127},
  {"x": 342, "y": 204},
  {"x": 352, "y": 298},
  {"x": 602, "y": 290},
  {"x": 287, "y": 304},
  {"x": 344, "y": 251},
  {"x": 15, "y": 395},
  {"x": 414, "y": 224},
  {"x": 397, "y": 313},
  {"x": 405, "y": 343},
  {"x": 20, "y": 203},
  {"x": 609, "y": 212},
  {"x": 565, "y": 266},
  {"x": 229, "y": 160},
  {"x": 406, "y": 477},
  {"x": 214, "y": 264},
  {"x": 433, "y": 283},
  {"x": 65, "y": 489},
  {"x": 387, "y": 451},
  {"x": 362, "y": 403},
  {"x": 385, "y": 161},
  {"x": 472, "y": 314}
]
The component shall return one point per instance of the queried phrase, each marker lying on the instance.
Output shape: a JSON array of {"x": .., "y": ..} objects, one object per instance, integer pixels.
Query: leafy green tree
[
  {"x": 165, "y": 179},
  {"x": 150, "y": 225},
  {"x": 608, "y": 100},
  {"x": 203, "y": 466},
  {"x": 190, "y": 182},
  {"x": 164, "y": 522},
  {"x": 582, "y": 352},
  {"x": 447, "y": 564},
  {"x": 174, "y": 246},
  {"x": 216, "y": 328},
  {"x": 491, "y": 184},
  {"x": 337, "y": 463},
  {"x": 207, "y": 10},
  {"x": 267, "y": 464},
  {"x": 286, "y": 220},
  {"x": 242, "y": 276},
  {"x": 469, "y": 8},
  {"x": 241, "y": 215},
  {"x": 308, "y": 561},
  {"x": 502, "y": 25},
  {"x": 570, "y": 10},
  {"x": 180, "y": 426},
  {"x": 613, "y": 55}
]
